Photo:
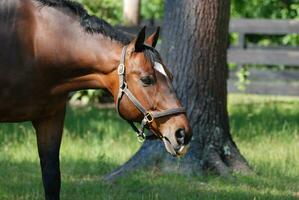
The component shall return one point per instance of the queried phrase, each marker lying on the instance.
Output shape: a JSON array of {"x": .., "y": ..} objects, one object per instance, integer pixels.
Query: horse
[{"x": 51, "y": 48}]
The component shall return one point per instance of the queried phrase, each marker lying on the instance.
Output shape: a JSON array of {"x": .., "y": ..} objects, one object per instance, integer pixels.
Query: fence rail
[
  {"x": 279, "y": 55},
  {"x": 265, "y": 81},
  {"x": 264, "y": 26},
  {"x": 263, "y": 56},
  {"x": 244, "y": 54}
]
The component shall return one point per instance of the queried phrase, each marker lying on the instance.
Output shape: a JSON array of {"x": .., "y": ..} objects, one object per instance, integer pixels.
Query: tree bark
[
  {"x": 131, "y": 10},
  {"x": 195, "y": 39}
]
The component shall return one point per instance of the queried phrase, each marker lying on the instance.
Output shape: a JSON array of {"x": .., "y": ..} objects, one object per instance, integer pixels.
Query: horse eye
[{"x": 147, "y": 80}]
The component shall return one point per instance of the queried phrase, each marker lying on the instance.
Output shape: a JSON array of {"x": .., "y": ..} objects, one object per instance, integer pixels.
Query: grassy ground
[{"x": 266, "y": 130}]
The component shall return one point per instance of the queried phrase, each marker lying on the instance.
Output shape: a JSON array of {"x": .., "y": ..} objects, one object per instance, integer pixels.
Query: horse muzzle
[{"x": 178, "y": 150}]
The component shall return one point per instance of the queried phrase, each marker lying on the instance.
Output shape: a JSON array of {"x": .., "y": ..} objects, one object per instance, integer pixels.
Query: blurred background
[{"x": 263, "y": 52}]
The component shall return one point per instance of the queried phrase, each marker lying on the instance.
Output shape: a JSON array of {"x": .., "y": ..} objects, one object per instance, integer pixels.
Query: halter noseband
[{"x": 149, "y": 116}]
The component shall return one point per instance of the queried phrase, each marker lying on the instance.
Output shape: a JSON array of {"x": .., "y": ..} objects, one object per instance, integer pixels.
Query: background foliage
[
  {"x": 269, "y": 9},
  {"x": 111, "y": 11}
]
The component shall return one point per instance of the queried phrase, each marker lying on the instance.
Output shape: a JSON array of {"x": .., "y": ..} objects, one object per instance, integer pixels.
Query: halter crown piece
[{"x": 149, "y": 116}]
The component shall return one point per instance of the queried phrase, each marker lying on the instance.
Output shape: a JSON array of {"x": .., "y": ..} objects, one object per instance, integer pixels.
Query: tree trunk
[
  {"x": 131, "y": 10},
  {"x": 194, "y": 47}
]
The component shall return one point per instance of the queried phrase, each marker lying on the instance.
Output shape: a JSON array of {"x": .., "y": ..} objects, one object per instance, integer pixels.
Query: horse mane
[
  {"x": 91, "y": 24},
  {"x": 151, "y": 54}
]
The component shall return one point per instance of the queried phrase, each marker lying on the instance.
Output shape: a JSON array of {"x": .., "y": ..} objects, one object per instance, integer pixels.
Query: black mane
[
  {"x": 152, "y": 55},
  {"x": 91, "y": 24}
]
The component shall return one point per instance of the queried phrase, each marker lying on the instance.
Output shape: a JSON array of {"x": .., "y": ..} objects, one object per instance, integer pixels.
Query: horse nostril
[{"x": 180, "y": 135}]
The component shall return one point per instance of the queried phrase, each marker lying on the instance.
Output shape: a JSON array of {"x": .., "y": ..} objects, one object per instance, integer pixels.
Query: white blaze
[{"x": 160, "y": 68}]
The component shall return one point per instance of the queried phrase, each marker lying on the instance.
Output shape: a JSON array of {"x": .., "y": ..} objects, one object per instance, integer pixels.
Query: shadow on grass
[
  {"x": 247, "y": 121},
  {"x": 78, "y": 122},
  {"x": 82, "y": 180}
]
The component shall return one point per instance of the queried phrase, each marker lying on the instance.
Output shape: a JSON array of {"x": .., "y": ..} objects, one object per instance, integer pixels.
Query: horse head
[{"x": 145, "y": 94}]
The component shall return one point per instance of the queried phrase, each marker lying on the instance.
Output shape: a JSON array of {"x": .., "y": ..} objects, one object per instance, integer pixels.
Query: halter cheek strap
[{"x": 149, "y": 116}]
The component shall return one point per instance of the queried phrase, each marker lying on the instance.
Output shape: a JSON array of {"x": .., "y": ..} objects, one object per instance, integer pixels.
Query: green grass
[{"x": 266, "y": 130}]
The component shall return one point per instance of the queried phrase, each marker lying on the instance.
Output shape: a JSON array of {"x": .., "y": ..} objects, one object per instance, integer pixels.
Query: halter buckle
[
  {"x": 149, "y": 117},
  {"x": 121, "y": 69}
]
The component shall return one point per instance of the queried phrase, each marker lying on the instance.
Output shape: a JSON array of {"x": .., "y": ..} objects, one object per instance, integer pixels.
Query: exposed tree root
[
  {"x": 215, "y": 163},
  {"x": 235, "y": 160},
  {"x": 152, "y": 154}
]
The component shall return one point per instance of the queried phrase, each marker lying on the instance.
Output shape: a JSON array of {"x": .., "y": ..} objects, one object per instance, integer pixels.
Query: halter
[{"x": 149, "y": 116}]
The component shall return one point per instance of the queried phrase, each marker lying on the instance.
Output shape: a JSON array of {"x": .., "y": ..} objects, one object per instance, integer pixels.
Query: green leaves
[
  {"x": 85, "y": 97},
  {"x": 152, "y": 9},
  {"x": 111, "y": 10},
  {"x": 272, "y": 9}
]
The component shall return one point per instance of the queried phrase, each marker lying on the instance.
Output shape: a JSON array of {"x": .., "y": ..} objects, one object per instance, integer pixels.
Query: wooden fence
[
  {"x": 265, "y": 81},
  {"x": 279, "y": 55}
]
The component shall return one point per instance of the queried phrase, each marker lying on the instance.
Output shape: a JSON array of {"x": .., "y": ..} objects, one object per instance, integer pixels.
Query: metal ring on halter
[
  {"x": 149, "y": 117},
  {"x": 121, "y": 69},
  {"x": 141, "y": 137}
]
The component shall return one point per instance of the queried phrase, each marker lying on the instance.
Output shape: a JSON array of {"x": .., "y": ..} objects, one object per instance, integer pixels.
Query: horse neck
[{"x": 75, "y": 59}]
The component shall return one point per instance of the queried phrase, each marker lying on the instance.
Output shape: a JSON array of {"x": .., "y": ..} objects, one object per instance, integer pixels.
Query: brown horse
[{"x": 50, "y": 48}]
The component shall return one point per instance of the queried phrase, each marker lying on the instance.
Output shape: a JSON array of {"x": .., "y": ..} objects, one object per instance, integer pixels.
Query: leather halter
[{"x": 149, "y": 116}]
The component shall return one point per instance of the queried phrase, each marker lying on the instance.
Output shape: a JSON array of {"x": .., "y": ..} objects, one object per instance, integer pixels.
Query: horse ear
[
  {"x": 153, "y": 39},
  {"x": 139, "y": 41}
]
